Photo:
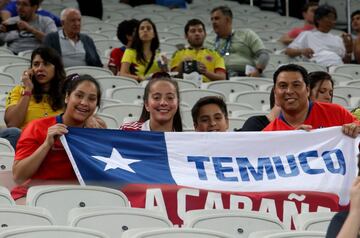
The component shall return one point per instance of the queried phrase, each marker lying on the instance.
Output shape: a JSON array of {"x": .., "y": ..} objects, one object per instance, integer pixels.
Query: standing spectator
[
  {"x": 143, "y": 58},
  {"x": 291, "y": 89},
  {"x": 209, "y": 63},
  {"x": 308, "y": 14},
  {"x": 27, "y": 30},
  {"x": 355, "y": 24},
  {"x": 10, "y": 11},
  {"x": 240, "y": 48},
  {"x": 125, "y": 33},
  {"x": 95, "y": 9},
  {"x": 320, "y": 45},
  {"x": 76, "y": 49}
]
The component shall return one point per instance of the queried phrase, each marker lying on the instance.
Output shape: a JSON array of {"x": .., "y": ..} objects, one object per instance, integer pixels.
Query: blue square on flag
[{"x": 115, "y": 158}]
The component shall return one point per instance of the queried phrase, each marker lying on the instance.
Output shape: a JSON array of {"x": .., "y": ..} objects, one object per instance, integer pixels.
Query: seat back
[
  {"x": 5, "y": 197},
  {"x": 113, "y": 221},
  {"x": 237, "y": 223},
  {"x": 226, "y": 87},
  {"x": 313, "y": 221},
  {"x": 91, "y": 70},
  {"x": 16, "y": 70},
  {"x": 110, "y": 121},
  {"x": 6, "y": 78},
  {"x": 190, "y": 96},
  {"x": 127, "y": 94},
  {"x": 19, "y": 215},
  {"x": 60, "y": 199},
  {"x": 122, "y": 111},
  {"x": 257, "y": 99},
  {"x": 51, "y": 231},
  {"x": 350, "y": 69},
  {"x": 107, "y": 82}
]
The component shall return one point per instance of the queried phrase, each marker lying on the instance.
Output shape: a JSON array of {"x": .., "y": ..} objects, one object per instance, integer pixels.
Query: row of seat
[{"x": 108, "y": 211}]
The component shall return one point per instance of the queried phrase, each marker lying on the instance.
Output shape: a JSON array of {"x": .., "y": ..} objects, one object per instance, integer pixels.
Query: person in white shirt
[{"x": 319, "y": 45}]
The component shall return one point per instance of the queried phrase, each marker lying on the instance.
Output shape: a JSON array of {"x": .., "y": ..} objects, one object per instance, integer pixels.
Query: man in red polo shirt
[{"x": 291, "y": 88}]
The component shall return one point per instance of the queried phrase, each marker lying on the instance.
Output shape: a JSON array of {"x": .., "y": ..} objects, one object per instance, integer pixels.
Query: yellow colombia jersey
[
  {"x": 35, "y": 110},
  {"x": 210, "y": 58},
  {"x": 130, "y": 57}
]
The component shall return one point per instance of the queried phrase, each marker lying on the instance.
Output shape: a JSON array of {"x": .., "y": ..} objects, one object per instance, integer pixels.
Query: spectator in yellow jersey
[{"x": 209, "y": 63}]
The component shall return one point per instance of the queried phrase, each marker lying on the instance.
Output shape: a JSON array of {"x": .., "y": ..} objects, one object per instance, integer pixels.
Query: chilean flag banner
[{"x": 157, "y": 169}]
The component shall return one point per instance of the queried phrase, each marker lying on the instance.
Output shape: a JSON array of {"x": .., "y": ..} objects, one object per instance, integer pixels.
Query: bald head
[{"x": 71, "y": 22}]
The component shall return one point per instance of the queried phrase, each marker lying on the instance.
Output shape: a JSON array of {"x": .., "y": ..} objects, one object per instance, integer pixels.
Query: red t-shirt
[
  {"x": 297, "y": 30},
  {"x": 116, "y": 56},
  {"x": 55, "y": 166},
  {"x": 321, "y": 115}
]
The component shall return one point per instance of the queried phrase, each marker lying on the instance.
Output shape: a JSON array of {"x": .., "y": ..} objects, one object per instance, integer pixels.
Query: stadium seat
[
  {"x": 173, "y": 233},
  {"x": 103, "y": 45},
  {"x": 261, "y": 234},
  {"x": 5, "y": 197},
  {"x": 237, "y": 223},
  {"x": 5, "y": 51},
  {"x": 98, "y": 36},
  {"x": 6, "y": 78},
  {"x": 236, "y": 123},
  {"x": 350, "y": 69},
  {"x": 186, "y": 118},
  {"x": 247, "y": 113},
  {"x": 19, "y": 215},
  {"x": 274, "y": 47},
  {"x": 341, "y": 100},
  {"x": 26, "y": 54},
  {"x": 313, "y": 221},
  {"x": 127, "y": 94},
  {"x": 122, "y": 111},
  {"x": 108, "y": 101},
  {"x": 98, "y": 26},
  {"x": 113, "y": 221},
  {"x": 91, "y": 70},
  {"x": 257, "y": 99},
  {"x": 296, "y": 234},
  {"x": 233, "y": 106},
  {"x": 107, "y": 82},
  {"x": 16, "y": 70},
  {"x": 226, "y": 87},
  {"x": 51, "y": 231},
  {"x": 190, "y": 96},
  {"x": 110, "y": 121},
  {"x": 60, "y": 199},
  {"x": 259, "y": 83},
  {"x": 7, "y": 154},
  {"x": 272, "y": 36},
  {"x": 6, "y": 88},
  {"x": 5, "y": 146},
  {"x": 353, "y": 83},
  {"x": 13, "y": 59},
  {"x": 311, "y": 67},
  {"x": 341, "y": 79},
  {"x": 350, "y": 92},
  {"x": 278, "y": 59},
  {"x": 186, "y": 84}
]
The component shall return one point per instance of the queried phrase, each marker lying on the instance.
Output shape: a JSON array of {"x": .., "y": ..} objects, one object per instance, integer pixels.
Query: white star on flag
[{"x": 116, "y": 161}]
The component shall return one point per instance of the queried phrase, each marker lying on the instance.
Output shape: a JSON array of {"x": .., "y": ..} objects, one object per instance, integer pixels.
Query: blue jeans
[{"x": 11, "y": 134}]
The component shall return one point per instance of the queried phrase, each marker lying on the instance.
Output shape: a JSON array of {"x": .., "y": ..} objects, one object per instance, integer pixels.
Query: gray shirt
[
  {"x": 18, "y": 41},
  {"x": 73, "y": 53}
]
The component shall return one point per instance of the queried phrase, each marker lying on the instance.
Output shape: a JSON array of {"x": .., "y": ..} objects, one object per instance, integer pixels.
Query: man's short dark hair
[
  {"x": 224, "y": 9},
  {"x": 323, "y": 11},
  {"x": 34, "y": 2},
  {"x": 126, "y": 28},
  {"x": 193, "y": 22},
  {"x": 308, "y": 5},
  {"x": 206, "y": 101},
  {"x": 292, "y": 68},
  {"x": 354, "y": 13}
]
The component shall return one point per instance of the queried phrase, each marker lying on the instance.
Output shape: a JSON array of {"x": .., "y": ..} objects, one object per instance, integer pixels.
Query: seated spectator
[
  {"x": 161, "y": 110},
  {"x": 40, "y": 157},
  {"x": 210, "y": 115},
  {"x": 308, "y": 15},
  {"x": 39, "y": 95},
  {"x": 346, "y": 224},
  {"x": 125, "y": 33},
  {"x": 27, "y": 30},
  {"x": 75, "y": 48},
  {"x": 10, "y": 11},
  {"x": 143, "y": 58},
  {"x": 320, "y": 45},
  {"x": 291, "y": 89},
  {"x": 241, "y": 48},
  {"x": 321, "y": 86},
  {"x": 11, "y": 134},
  {"x": 258, "y": 123},
  {"x": 209, "y": 63},
  {"x": 355, "y": 24}
]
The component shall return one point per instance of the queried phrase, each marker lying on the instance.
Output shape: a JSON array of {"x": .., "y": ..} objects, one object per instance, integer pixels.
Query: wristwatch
[{"x": 26, "y": 93}]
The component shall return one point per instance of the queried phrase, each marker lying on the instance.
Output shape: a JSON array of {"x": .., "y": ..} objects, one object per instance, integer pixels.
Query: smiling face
[
  {"x": 211, "y": 119},
  {"x": 146, "y": 31},
  {"x": 322, "y": 92},
  {"x": 82, "y": 102},
  {"x": 44, "y": 71},
  {"x": 291, "y": 92},
  {"x": 162, "y": 102}
]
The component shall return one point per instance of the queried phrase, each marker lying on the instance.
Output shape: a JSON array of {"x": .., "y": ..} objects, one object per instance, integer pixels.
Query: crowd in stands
[{"x": 40, "y": 109}]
